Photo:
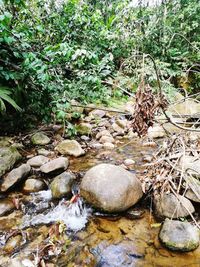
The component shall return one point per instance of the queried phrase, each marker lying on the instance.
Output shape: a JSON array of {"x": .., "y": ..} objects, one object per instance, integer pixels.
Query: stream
[{"x": 58, "y": 233}]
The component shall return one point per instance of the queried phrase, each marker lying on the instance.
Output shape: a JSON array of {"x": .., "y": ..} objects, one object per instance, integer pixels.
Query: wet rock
[
  {"x": 129, "y": 162},
  {"x": 61, "y": 185},
  {"x": 5, "y": 206},
  {"x": 97, "y": 113},
  {"x": 122, "y": 254},
  {"x": 133, "y": 213},
  {"x": 193, "y": 191},
  {"x": 119, "y": 130},
  {"x": 108, "y": 145},
  {"x": 33, "y": 185},
  {"x": 44, "y": 152},
  {"x": 84, "y": 128},
  {"x": 40, "y": 139},
  {"x": 13, "y": 243},
  {"x": 8, "y": 157},
  {"x": 106, "y": 139},
  {"x": 15, "y": 176},
  {"x": 70, "y": 147},
  {"x": 103, "y": 133},
  {"x": 167, "y": 205},
  {"x": 60, "y": 163},
  {"x": 110, "y": 188},
  {"x": 37, "y": 161},
  {"x": 156, "y": 132},
  {"x": 179, "y": 236}
]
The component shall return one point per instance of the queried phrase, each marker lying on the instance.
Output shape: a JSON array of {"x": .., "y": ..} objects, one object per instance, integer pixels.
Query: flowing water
[{"x": 89, "y": 238}]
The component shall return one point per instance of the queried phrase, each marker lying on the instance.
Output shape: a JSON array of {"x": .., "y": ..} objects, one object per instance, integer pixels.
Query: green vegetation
[{"x": 55, "y": 51}]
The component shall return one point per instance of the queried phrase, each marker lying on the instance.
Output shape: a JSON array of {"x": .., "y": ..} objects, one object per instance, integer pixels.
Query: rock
[
  {"x": 121, "y": 123},
  {"x": 179, "y": 236},
  {"x": 40, "y": 139},
  {"x": 129, "y": 162},
  {"x": 106, "y": 139},
  {"x": 60, "y": 163},
  {"x": 37, "y": 161},
  {"x": 97, "y": 113},
  {"x": 85, "y": 138},
  {"x": 61, "y": 185},
  {"x": 33, "y": 185},
  {"x": 5, "y": 206},
  {"x": 13, "y": 243},
  {"x": 8, "y": 157},
  {"x": 97, "y": 146},
  {"x": 15, "y": 176},
  {"x": 103, "y": 133},
  {"x": 189, "y": 107},
  {"x": 193, "y": 192},
  {"x": 75, "y": 107},
  {"x": 44, "y": 152},
  {"x": 167, "y": 205},
  {"x": 84, "y": 128},
  {"x": 108, "y": 145},
  {"x": 118, "y": 129},
  {"x": 156, "y": 132},
  {"x": 110, "y": 188},
  {"x": 70, "y": 147}
]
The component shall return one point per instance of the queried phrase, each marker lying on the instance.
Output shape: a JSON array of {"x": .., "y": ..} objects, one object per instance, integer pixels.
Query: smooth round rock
[
  {"x": 110, "y": 188},
  {"x": 179, "y": 236}
]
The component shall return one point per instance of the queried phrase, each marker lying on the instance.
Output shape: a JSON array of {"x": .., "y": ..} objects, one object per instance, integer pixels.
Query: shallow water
[{"x": 106, "y": 241}]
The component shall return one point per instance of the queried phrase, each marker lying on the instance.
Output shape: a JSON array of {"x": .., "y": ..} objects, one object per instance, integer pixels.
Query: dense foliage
[{"x": 54, "y": 51}]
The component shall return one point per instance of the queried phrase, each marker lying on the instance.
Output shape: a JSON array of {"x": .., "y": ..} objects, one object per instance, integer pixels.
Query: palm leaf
[{"x": 5, "y": 96}]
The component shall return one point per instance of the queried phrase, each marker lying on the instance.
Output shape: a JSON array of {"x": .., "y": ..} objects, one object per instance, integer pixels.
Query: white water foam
[{"x": 73, "y": 215}]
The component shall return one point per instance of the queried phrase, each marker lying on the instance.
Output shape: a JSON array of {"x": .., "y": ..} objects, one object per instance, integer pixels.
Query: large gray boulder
[
  {"x": 168, "y": 205},
  {"x": 70, "y": 147},
  {"x": 15, "y": 176},
  {"x": 61, "y": 185},
  {"x": 179, "y": 236},
  {"x": 58, "y": 164},
  {"x": 40, "y": 139},
  {"x": 8, "y": 157},
  {"x": 110, "y": 188}
]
